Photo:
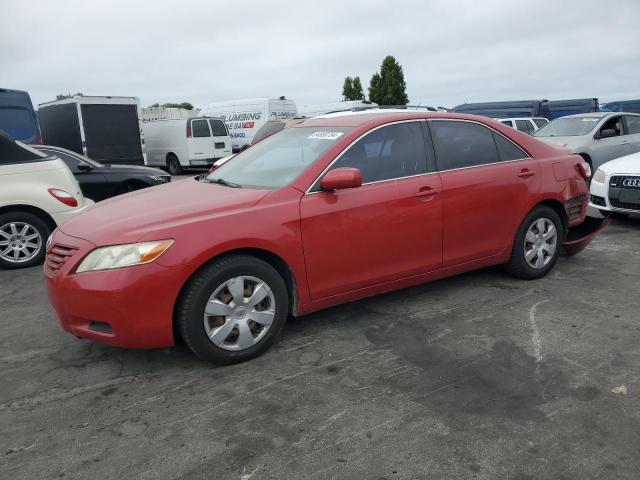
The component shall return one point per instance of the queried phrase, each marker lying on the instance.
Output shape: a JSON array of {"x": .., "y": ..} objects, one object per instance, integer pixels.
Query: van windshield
[
  {"x": 17, "y": 122},
  {"x": 278, "y": 160},
  {"x": 568, "y": 127}
]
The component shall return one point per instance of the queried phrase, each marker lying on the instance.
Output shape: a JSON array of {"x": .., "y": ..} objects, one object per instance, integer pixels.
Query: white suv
[
  {"x": 37, "y": 193},
  {"x": 525, "y": 124}
]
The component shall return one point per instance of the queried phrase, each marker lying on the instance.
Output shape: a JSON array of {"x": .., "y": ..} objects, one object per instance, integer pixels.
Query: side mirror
[
  {"x": 341, "y": 178},
  {"x": 84, "y": 167},
  {"x": 607, "y": 133}
]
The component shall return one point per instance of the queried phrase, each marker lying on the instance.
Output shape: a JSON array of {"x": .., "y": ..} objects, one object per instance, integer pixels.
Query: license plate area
[{"x": 629, "y": 196}]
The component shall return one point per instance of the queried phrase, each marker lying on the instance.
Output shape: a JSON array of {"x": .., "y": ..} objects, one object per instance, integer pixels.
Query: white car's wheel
[{"x": 22, "y": 239}]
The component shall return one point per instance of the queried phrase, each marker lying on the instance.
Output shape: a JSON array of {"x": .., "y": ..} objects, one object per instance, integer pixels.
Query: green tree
[
  {"x": 62, "y": 96},
  {"x": 388, "y": 87},
  {"x": 185, "y": 105},
  {"x": 155, "y": 105},
  {"x": 358, "y": 93},
  {"x": 347, "y": 88}
]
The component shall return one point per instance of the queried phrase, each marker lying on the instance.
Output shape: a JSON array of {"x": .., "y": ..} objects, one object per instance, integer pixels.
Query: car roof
[
  {"x": 520, "y": 118},
  {"x": 357, "y": 119}
]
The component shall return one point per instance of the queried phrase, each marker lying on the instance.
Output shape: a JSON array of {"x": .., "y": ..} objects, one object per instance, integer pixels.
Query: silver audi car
[{"x": 598, "y": 137}]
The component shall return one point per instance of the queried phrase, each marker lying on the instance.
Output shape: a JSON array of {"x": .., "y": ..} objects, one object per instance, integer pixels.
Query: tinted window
[
  {"x": 507, "y": 150},
  {"x": 267, "y": 130},
  {"x": 524, "y": 126},
  {"x": 462, "y": 144},
  {"x": 11, "y": 152},
  {"x": 507, "y": 123},
  {"x": 394, "y": 151},
  {"x": 540, "y": 122},
  {"x": 200, "y": 128},
  {"x": 17, "y": 122},
  {"x": 217, "y": 128},
  {"x": 632, "y": 123},
  {"x": 615, "y": 124}
]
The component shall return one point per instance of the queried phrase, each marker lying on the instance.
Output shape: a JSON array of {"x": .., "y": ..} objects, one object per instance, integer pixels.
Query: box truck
[
  {"x": 181, "y": 143},
  {"x": 244, "y": 117},
  {"x": 106, "y": 129},
  {"x": 17, "y": 117}
]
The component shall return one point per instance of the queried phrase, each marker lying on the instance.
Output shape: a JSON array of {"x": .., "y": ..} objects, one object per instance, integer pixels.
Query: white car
[
  {"x": 615, "y": 187},
  {"x": 37, "y": 193},
  {"x": 525, "y": 124}
]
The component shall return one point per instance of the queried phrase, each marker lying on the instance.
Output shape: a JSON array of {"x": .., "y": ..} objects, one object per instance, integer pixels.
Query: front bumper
[
  {"x": 128, "y": 307},
  {"x": 602, "y": 200}
]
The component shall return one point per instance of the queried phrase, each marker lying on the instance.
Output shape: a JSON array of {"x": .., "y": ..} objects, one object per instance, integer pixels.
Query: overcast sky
[{"x": 451, "y": 51}]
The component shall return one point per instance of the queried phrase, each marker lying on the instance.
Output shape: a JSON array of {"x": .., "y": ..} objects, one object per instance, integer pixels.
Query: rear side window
[
  {"x": 394, "y": 151},
  {"x": 524, "y": 126},
  {"x": 508, "y": 123},
  {"x": 217, "y": 128},
  {"x": 11, "y": 152},
  {"x": 632, "y": 123},
  {"x": 507, "y": 150},
  {"x": 539, "y": 122},
  {"x": 200, "y": 128},
  {"x": 460, "y": 144}
]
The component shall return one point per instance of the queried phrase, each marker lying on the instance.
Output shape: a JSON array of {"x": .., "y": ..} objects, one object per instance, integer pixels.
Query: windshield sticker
[
  {"x": 325, "y": 135},
  {"x": 587, "y": 119}
]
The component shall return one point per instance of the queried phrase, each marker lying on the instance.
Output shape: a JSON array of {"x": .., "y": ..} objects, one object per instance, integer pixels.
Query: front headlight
[
  {"x": 117, "y": 256},
  {"x": 599, "y": 176}
]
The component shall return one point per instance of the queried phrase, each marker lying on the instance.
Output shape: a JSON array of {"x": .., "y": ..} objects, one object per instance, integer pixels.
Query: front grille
[
  {"x": 596, "y": 200},
  {"x": 629, "y": 206},
  {"x": 618, "y": 181},
  {"x": 57, "y": 256}
]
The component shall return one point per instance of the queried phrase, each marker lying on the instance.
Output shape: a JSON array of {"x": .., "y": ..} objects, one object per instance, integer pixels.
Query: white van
[
  {"x": 186, "y": 142},
  {"x": 244, "y": 117},
  {"x": 315, "y": 110}
]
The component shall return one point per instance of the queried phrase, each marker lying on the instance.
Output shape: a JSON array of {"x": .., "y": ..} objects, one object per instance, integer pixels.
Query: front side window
[
  {"x": 615, "y": 124},
  {"x": 200, "y": 128},
  {"x": 217, "y": 128},
  {"x": 540, "y": 122},
  {"x": 632, "y": 124},
  {"x": 279, "y": 159},
  {"x": 394, "y": 151},
  {"x": 461, "y": 144}
]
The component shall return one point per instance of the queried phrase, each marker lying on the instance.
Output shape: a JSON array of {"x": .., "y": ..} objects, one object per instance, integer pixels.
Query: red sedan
[{"x": 326, "y": 212}]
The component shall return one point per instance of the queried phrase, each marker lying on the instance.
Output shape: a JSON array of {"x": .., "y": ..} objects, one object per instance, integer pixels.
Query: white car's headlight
[
  {"x": 117, "y": 256},
  {"x": 599, "y": 176}
]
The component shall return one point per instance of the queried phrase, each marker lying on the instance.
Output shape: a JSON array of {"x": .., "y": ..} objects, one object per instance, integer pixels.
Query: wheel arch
[
  {"x": 558, "y": 207},
  {"x": 48, "y": 219}
]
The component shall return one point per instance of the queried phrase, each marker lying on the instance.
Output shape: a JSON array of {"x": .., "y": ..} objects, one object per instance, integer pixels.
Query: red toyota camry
[{"x": 326, "y": 212}]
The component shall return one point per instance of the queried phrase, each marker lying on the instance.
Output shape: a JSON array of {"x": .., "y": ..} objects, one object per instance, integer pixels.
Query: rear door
[
  {"x": 487, "y": 181},
  {"x": 201, "y": 144},
  {"x": 386, "y": 229},
  {"x": 220, "y": 137}
]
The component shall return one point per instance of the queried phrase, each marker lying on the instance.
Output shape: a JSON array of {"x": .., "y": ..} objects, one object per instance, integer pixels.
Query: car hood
[
  {"x": 146, "y": 214},
  {"x": 626, "y": 164},
  {"x": 129, "y": 169}
]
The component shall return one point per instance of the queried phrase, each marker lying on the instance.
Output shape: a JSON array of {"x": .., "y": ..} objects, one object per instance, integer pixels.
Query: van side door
[
  {"x": 201, "y": 144},
  {"x": 220, "y": 137}
]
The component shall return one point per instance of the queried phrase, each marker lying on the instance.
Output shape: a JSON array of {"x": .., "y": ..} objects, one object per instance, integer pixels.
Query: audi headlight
[
  {"x": 599, "y": 176},
  {"x": 118, "y": 256}
]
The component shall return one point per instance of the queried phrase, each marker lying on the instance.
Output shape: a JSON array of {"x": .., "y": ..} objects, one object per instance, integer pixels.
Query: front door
[
  {"x": 631, "y": 137},
  {"x": 386, "y": 229},
  {"x": 487, "y": 180}
]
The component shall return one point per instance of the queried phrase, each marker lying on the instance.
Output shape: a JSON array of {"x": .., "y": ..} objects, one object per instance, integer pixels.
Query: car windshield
[
  {"x": 277, "y": 160},
  {"x": 568, "y": 127}
]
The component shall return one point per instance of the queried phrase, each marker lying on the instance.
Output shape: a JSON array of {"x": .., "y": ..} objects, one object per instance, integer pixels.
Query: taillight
[
  {"x": 188, "y": 131},
  {"x": 64, "y": 197},
  {"x": 584, "y": 169},
  {"x": 39, "y": 140}
]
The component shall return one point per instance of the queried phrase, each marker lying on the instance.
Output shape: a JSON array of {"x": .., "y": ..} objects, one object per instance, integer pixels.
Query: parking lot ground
[{"x": 477, "y": 376}]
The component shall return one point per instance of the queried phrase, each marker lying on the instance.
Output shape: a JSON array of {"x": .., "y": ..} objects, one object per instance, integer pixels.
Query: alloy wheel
[
  {"x": 540, "y": 243},
  {"x": 19, "y": 242},
  {"x": 239, "y": 313}
]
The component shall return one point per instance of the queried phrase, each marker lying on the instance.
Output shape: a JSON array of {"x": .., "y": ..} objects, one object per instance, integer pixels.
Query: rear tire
[
  {"x": 221, "y": 319},
  {"x": 173, "y": 165},
  {"x": 22, "y": 234},
  {"x": 537, "y": 244}
]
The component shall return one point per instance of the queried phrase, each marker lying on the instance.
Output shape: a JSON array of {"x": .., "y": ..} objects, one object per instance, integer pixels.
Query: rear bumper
[
  {"x": 61, "y": 217},
  {"x": 129, "y": 307},
  {"x": 581, "y": 235}
]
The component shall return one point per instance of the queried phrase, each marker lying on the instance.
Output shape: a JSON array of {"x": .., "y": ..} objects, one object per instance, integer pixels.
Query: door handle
[
  {"x": 526, "y": 173},
  {"x": 427, "y": 192}
]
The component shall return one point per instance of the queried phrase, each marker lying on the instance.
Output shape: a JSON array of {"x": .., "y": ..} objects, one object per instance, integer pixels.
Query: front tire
[
  {"x": 173, "y": 165},
  {"x": 232, "y": 310},
  {"x": 537, "y": 244},
  {"x": 22, "y": 239}
]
